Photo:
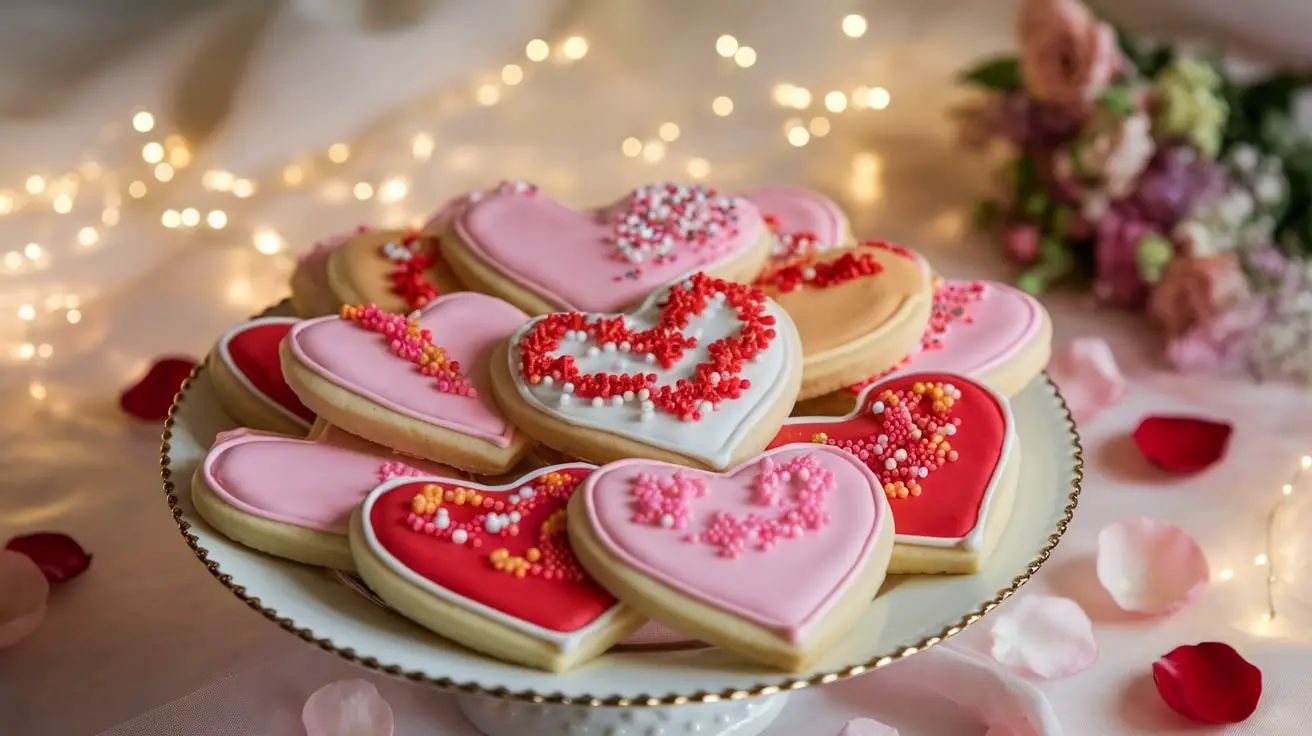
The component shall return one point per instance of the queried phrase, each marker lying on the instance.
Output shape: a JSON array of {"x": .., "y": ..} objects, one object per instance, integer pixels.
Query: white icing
[
  {"x": 712, "y": 438},
  {"x": 226, "y": 356},
  {"x": 565, "y": 641},
  {"x": 975, "y": 537}
]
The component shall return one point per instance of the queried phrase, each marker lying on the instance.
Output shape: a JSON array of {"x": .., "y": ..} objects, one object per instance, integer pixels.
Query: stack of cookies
[{"x": 691, "y": 415}]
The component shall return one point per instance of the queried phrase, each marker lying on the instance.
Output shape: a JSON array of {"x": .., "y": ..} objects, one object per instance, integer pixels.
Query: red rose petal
[
  {"x": 1209, "y": 683},
  {"x": 152, "y": 396},
  {"x": 1182, "y": 444},
  {"x": 60, "y": 557}
]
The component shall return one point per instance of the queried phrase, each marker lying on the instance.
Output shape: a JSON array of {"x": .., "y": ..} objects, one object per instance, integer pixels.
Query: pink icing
[
  {"x": 818, "y": 531},
  {"x": 313, "y": 484},
  {"x": 802, "y": 211},
  {"x": 570, "y": 258},
  {"x": 466, "y": 324},
  {"x": 1001, "y": 322}
]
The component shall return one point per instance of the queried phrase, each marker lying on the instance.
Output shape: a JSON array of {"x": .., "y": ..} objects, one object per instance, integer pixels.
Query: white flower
[
  {"x": 1244, "y": 157},
  {"x": 1236, "y": 207},
  {"x": 1126, "y": 160},
  {"x": 1094, "y": 205},
  {"x": 1198, "y": 236},
  {"x": 1269, "y": 189}
]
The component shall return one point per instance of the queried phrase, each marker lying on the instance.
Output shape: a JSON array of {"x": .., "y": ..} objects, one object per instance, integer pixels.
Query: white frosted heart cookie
[
  {"x": 419, "y": 384},
  {"x": 489, "y": 567},
  {"x": 293, "y": 498},
  {"x": 248, "y": 378},
  {"x": 702, "y": 374},
  {"x": 944, "y": 447},
  {"x": 542, "y": 256},
  {"x": 775, "y": 560}
]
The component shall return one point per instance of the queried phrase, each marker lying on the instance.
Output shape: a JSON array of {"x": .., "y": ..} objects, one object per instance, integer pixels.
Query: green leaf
[
  {"x": 1157, "y": 60},
  {"x": 1118, "y": 100},
  {"x": 986, "y": 213},
  {"x": 1000, "y": 74},
  {"x": 1130, "y": 48}
]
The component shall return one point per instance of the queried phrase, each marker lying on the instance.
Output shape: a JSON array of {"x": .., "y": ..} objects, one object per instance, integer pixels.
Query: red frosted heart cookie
[
  {"x": 702, "y": 374},
  {"x": 945, "y": 451},
  {"x": 290, "y": 497},
  {"x": 418, "y": 384},
  {"x": 855, "y": 308},
  {"x": 776, "y": 559},
  {"x": 248, "y": 377},
  {"x": 490, "y": 567},
  {"x": 542, "y": 256}
]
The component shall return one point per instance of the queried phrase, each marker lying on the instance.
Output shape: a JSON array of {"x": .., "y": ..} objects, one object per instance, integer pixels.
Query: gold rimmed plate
[{"x": 911, "y": 614}]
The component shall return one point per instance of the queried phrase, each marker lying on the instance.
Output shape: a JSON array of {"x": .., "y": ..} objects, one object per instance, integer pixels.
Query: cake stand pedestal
[{"x": 746, "y": 717}]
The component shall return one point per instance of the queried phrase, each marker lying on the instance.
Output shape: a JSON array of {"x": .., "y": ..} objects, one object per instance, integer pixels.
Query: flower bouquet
[{"x": 1169, "y": 184}]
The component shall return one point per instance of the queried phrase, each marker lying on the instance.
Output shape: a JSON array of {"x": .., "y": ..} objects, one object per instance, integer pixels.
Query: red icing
[
  {"x": 563, "y": 603},
  {"x": 254, "y": 353},
  {"x": 714, "y": 380},
  {"x": 951, "y": 495}
]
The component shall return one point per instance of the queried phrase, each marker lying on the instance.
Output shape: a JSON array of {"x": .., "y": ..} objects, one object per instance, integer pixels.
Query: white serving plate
[{"x": 910, "y": 614}]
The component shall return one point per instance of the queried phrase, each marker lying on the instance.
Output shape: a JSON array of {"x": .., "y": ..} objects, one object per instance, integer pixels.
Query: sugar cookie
[
  {"x": 950, "y": 509},
  {"x": 312, "y": 295},
  {"x": 489, "y": 567},
  {"x": 542, "y": 256},
  {"x": 992, "y": 332},
  {"x": 398, "y": 270},
  {"x": 701, "y": 374},
  {"x": 802, "y": 221},
  {"x": 293, "y": 498},
  {"x": 774, "y": 560},
  {"x": 248, "y": 377},
  {"x": 856, "y": 309},
  {"x": 362, "y": 372}
]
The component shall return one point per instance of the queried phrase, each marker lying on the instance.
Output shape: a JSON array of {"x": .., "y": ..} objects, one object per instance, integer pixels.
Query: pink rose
[
  {"x": 1023, "y": 244},
  {"x": 1223, "y": 344},
  {"x": 1196, "y": 290},
  {"x": 1066, "y": 54}
]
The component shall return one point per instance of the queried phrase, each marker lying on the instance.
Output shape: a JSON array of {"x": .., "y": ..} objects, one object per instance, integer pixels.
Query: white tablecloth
[{"x": 259, "y": 88}]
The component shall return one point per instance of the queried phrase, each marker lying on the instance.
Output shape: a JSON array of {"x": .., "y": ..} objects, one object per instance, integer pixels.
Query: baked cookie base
[
  {"x": 405, "y": 434},
  {"x": 288, "y": 541},
  {"x": 704, "y": 622},
  {"x": 475, "y": 631},
  {"x": 843, "y": 366}
]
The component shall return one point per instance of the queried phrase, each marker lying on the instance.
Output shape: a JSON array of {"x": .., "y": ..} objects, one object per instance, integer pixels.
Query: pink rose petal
[
  {"x": 867, "y": 727},
  {"x": 347, "y": 708},
  {"x": 1150, "y": 566},
  {"x": 1044, "y": 635},
  {"x": 23, "y": 593},
  {"x": 1088, "y": 376}
]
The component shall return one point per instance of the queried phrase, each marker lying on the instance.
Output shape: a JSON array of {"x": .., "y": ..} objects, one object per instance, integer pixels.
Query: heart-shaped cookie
[
  {"x": 703, "y": 373},
  {"x": 855, "y": 309},
  {"x": 993, "y": 332},
  {"x": 489, "y": 566},
  {"x": 775, "y": 559},
  {"x": 312, "y": 295},
  {"x": 802, "y": 221},
  {"x": 292, "y": 498},
  {"x": 542, "y": 256},
  {"x": 398, "y": 270},
  {"x": 945, "y": 450},
  {"x": 417, "y": 384},
  {"x": 248, "y": 377}
]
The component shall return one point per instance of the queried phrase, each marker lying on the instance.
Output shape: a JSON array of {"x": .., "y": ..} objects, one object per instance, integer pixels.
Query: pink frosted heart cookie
[
  {"x": 701, "y": 374},
  {"x": 489, "y": 566},
  {"x": 248, "y": 377},
  {"x": 312, "y": 295},
  {"x": 418, "y": 384},
  {"x": 776, "y": 559},
  {"x": 293, "y": 498},
  {"x": 802, "y": 221},
  {"x": 542, "y": 256},
  {"x": 945, "y": 450}
]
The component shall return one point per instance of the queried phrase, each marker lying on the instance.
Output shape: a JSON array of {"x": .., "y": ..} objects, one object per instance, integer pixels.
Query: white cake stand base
[{"x": 749, "y": 717}]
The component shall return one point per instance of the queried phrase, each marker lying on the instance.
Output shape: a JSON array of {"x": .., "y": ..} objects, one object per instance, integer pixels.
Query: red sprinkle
[{"x": 807, "y": 272}]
